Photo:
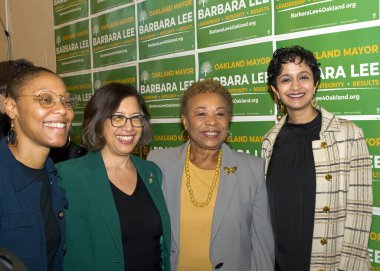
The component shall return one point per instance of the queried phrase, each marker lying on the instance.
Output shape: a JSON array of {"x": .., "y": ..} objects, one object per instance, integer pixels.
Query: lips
[{"x": 296, "y": 95}]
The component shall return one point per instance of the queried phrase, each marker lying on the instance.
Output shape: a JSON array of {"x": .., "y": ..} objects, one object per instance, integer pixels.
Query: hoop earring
[
  {"x": 314, "y": 102},
  {"x": 68, "y": 142},
  {"x": 12, "y": 136},
  {"x": 229, "y": 135},
  {"x": 280, "y": 109},
  {"x": 183, "y": 135}
]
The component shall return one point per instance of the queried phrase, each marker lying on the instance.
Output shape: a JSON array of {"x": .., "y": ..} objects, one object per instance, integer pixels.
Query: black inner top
[
  {"x": 141, "y": 228},
  {"x": 52, "y": 232},
  {"x": 291, "y": 184}
]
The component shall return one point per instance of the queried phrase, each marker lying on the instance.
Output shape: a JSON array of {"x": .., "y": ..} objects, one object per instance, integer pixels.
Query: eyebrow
[
  {"x": 203, "y": 107},
  {"x": 121, "y": 113},
  {"x": 287, "y": 74}
]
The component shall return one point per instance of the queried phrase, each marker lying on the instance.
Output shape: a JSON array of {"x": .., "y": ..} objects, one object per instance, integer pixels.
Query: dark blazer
[
  {"x": 22, "y": 229},
  {"x": 93, "y": 227},
  {"x": 241, "y": 233}
]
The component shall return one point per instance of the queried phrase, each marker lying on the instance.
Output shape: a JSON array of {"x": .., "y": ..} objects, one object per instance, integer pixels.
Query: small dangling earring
[
  {"x": 314, "y": 102},
  {"x": 12, "y": 136},
  {"x": 183, "y": 135},
  {"x": 68, "y": 141},
  {"x": 229, "y": 135},
  {"x": 280, "y": 109}
]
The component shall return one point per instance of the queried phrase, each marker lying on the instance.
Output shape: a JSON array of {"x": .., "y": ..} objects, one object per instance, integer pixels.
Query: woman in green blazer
[{"x": 117, "y": 218}]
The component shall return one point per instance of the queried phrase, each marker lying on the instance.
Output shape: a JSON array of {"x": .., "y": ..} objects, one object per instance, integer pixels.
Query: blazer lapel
[
  {"x": 173, "y": 189},
  {"x": 226, "y": 188},
  {"x": 101, "y": 191}
]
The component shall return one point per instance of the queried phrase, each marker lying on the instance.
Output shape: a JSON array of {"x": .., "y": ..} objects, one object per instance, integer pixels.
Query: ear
[
  {"x": 10, "y": 107},
  {"x": 275, "y": 91},
  {"x": 184, "y": 121}
]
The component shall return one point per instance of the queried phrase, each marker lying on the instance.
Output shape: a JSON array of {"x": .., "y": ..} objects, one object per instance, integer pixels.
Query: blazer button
[
  {"x": 326, "y": 209},
  {"x": 219, "y": 265},
  {"x": 64, "y": 248},
  {"x": 328, "y": 177},
  {"x": 323, "y": 145},
  {"x": 323, "y": 241},
  {"x": 60, "y": 214}
]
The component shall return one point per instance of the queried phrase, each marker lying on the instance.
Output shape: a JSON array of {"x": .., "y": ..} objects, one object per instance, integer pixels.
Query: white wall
[{"x": 31, "y": 28}]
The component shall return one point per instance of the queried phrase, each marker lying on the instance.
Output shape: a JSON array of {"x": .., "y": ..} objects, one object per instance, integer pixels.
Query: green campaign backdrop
[
  {"x": 161, "y": 47},
  {"x": 114, "y": 37},
  {"x": 220, "y": 22},
  {"x": 161, "y": 84}
]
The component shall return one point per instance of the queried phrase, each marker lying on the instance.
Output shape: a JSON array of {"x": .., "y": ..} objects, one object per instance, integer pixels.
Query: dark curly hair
[
  {"x": 104, "y": 103},
  {"x": 206, "y": 86},
  {"x": 8, "y": 69},
  {"x": 22, "y": 73},
  {"x": 292, "y": 54}
]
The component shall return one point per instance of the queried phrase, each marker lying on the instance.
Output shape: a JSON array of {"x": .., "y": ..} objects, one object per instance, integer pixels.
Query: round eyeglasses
[
  {"x": 119, "y": 121},
  {"x": 48, "y": 99}
]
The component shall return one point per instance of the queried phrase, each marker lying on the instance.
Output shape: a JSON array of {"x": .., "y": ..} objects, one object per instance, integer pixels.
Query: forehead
[
  {"x": 128, "y": 104},
  {"x": 207, "y": 99},
  {"x": 44, "y": 81},
  {"x": 296, "y": 66}
]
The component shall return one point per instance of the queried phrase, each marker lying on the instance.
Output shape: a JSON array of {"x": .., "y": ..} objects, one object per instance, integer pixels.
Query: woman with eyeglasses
[
  {"x": 31, "y": 203},
  {"x": 117, "y": 217}
]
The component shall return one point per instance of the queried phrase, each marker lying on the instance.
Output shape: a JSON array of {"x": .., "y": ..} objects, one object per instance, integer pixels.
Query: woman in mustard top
[{"x": 216, "y": 197}]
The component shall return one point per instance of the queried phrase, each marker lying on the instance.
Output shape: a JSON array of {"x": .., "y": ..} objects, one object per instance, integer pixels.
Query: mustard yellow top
[{"x": 196, "y": 222}]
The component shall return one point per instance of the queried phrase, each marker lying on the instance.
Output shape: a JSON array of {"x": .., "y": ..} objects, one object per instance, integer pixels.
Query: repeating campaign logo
[
  {"x": 96, "y": 30},
  {"x": 143, "y": 16},
  {"x": 145, "y": 77},
  {"x": 206, "y": 68},
  {"x": 97, "y": 84},
  {"x": 202, "y": 2},
  {"x": 58, "y": 40}
]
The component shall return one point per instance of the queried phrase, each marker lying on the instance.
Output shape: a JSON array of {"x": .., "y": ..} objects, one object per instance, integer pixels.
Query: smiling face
[
  {"x": 207, "y": 120},
  {"x": 34, "y": 124},
  {"x": 296, "y": 88},
  {"x": 122, "y": 141}
]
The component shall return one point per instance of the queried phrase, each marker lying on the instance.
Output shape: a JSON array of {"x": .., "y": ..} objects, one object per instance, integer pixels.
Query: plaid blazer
[{"x": 343, "y": 204}]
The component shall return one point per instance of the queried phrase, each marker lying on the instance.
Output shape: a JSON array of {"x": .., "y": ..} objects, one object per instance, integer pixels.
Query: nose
[
  {"x": 211, "y": 120},
  {"x": 128, "y": 125},
  {"x": 59, "y": 107},
  {"x": 296, "y": 84}
]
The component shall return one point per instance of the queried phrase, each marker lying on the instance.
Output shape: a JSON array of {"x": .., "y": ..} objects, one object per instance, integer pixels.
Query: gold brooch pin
[
  {"x": 230, "y": 170},
  {"x": 150, "y": 179}
]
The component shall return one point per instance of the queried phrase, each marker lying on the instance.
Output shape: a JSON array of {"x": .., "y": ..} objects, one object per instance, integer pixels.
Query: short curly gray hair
[{"x": 206, "y": 86}]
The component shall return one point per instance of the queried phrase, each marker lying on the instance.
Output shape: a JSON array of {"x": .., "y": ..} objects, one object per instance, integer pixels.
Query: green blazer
[{"x": 93, "y": 227}]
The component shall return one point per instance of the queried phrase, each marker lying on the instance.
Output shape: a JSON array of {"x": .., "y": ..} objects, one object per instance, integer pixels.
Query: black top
[
  {"x": 141, "y": 228},
  {"x": 291, "y": 185},
  {"x": 51, "y": 224},
  {"x": 67, "y": 152}
]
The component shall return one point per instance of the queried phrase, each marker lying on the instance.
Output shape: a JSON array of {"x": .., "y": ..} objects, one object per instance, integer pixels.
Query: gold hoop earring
[
  {"x": 68, "y": 142},
  {"x": 183, "y": 138},
  {"x": 280, "y": 109},
  {"x": 12, "y": 136},
  {"x": 314, "y": 102},
  {"x": 229, "y": 135}
]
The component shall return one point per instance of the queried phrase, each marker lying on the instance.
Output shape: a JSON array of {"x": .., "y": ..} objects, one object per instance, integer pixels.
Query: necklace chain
[{"x": 213, "y": 184}]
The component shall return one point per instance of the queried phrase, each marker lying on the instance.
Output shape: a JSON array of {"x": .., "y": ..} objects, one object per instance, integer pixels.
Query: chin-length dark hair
[{"x": 104, "y": 103}]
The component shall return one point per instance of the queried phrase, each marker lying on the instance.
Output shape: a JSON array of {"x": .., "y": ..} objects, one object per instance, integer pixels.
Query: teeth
[
  {"x": 125, "y": 138},
  {"x": 296, "y": 95},
  {"x": 55, "y": 124},
  {"x": 211, "y": 133}
]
